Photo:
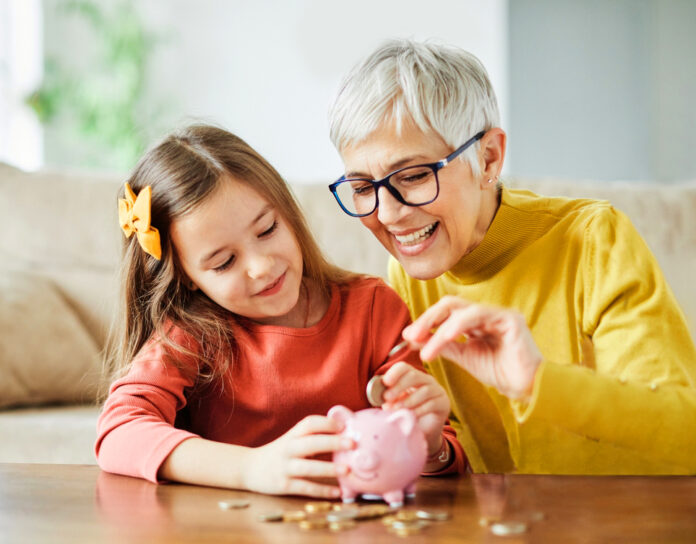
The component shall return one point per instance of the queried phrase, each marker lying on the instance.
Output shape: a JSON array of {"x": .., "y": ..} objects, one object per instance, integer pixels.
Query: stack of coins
[{"x": 342, "y": 517}]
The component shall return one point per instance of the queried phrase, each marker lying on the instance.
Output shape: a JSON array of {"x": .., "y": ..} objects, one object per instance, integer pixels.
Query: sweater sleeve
[
  {"x": 389, "y": 317},
  {"x": 135, "y": 430},
  {"x": 639, "y": 370}
]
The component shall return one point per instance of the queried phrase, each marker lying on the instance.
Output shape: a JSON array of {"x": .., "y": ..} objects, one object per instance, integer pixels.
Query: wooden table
[{"x": 73, "y": 503}]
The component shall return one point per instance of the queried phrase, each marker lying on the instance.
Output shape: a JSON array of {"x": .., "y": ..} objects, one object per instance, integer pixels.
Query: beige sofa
[{"x": 59, "y": 246}]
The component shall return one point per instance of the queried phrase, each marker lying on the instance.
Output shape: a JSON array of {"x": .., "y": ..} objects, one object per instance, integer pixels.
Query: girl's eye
[
  {"x": 270, "y": 230},
  {"x": 224, "y": 266}
]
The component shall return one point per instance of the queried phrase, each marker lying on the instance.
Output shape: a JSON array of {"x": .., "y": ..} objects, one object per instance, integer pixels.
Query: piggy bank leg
[
  {"x": 394, "y": 498},
  {"x": 411, "y": 490},
  {"x": 347, "y": 494}
]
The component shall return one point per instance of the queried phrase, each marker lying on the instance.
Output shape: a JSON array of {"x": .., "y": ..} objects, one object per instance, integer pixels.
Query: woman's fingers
[{"x": 419, "y": 331}]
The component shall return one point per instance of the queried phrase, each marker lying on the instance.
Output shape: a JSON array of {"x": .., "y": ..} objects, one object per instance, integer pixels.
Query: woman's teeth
[{"x": 417, "y": 236}]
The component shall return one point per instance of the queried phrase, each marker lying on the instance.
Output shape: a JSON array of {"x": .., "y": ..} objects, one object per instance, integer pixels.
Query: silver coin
[
  {"x": 271, "y": 516},
  {"x": 433, "y": 515},
  {"x": 375, "y": 388},
  {"x": 233, "y": 505},
  {"x": 506, "y": 528},
  {"x": 397, "y": 348}
]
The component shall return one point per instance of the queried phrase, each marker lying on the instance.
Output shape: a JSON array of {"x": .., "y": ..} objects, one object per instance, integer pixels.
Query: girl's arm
[{"x": 280, "y": 467}]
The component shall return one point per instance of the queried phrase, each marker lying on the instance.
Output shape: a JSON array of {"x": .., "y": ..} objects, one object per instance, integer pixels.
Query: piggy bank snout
[{"x": 366, "y": 460}]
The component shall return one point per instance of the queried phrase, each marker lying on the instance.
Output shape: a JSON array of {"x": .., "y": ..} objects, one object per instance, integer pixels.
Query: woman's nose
[
  {"x": 389, "y": 209},
  {"x": 259, "y": 266}
]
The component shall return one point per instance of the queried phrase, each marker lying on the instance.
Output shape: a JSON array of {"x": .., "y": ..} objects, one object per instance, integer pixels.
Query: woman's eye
[
  {"x": 269, "y": 230},
  {"x": 224, "y": 266}
]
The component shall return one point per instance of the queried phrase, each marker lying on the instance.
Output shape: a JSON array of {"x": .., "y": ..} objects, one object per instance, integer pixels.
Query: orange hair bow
[{"x": 134, "y": 216}]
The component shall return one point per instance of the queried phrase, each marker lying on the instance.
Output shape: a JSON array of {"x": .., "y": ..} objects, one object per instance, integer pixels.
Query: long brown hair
[{"x": 183, "y": 170}]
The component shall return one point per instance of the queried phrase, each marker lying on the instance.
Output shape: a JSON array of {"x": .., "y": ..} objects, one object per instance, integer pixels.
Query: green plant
[{"x": 100, "y": 108}]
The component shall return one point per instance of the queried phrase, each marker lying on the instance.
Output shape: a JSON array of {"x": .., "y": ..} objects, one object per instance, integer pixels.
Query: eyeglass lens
[{"x": 416, "y": 185}]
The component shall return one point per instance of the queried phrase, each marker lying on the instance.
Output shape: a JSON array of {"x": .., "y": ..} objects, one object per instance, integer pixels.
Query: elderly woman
[{"x": 547, "y": 320}]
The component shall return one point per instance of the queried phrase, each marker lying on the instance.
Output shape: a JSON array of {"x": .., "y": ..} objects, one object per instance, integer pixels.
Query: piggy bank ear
[
  {"x": 404, "y": 419},
  {"x": 341, "y": 414}
]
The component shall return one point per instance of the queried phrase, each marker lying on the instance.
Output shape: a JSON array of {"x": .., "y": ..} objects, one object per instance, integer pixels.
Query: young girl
[{"x": 234, "y": 327}]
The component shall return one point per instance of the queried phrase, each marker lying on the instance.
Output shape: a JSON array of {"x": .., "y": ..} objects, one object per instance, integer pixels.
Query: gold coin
[
  {"x": 233, "y": 505},
  {"x": 271, "y": 516},
  {"x": 320, "y": 506},
  {"x": 373, "y": 511},
  {"x": 416, "y": 524},
  {"x": 506, "y": 528},
  {"x": 313, "y": 524},
  {"x": 375, "y": 388},
  {"x": 342, "y": 515},
  {"x": 388, "y": 520},
  {"x": 294, "y": 515},
  {"x": 337, "y": 526},
  {"x": 406, "y": 515},
  {"x": 433, "y": 515}
]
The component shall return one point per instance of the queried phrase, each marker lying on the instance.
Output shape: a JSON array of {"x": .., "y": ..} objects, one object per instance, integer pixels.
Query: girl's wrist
[{"x": 440, "y": 458}]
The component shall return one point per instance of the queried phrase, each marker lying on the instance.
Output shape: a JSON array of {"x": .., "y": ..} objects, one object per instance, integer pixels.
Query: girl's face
[{"x": 238, "y": 250}]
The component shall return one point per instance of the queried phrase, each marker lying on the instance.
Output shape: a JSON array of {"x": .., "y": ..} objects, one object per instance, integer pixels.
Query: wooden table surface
[{"x": 76, "y": 503}]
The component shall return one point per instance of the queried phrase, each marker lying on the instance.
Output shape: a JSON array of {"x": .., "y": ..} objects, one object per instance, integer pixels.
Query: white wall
[
  {"x": 603, "y": 90},
  {"x": 267, "y": 69}
]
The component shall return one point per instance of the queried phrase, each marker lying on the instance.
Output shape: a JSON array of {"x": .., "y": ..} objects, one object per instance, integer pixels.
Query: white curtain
[{"x": 21, "y": 68}]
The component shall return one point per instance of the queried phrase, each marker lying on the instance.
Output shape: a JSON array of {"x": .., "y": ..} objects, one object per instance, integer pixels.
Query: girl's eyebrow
[{"x": 266, "y": 209}]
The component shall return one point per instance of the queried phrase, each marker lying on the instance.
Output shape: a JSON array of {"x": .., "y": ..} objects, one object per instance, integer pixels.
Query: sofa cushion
[{"x": 46, "y": 354}]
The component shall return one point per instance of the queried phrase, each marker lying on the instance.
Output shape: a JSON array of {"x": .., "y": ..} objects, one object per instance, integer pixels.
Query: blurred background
[{"x": 600, "y": 90}]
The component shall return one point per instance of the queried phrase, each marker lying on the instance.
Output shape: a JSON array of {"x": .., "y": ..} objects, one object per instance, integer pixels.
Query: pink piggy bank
[{"x": 389, "y": 455}]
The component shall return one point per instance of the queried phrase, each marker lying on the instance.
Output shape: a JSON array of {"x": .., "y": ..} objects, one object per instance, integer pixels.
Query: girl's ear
[{"x": 192, "y": 286}]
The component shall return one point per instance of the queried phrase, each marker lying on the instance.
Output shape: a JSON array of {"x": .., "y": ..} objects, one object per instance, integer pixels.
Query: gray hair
[{"x": 442, "y": 88}]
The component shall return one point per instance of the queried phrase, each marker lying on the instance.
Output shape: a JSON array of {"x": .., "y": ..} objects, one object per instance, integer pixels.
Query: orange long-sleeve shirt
[{"x": 280, "y": 376}]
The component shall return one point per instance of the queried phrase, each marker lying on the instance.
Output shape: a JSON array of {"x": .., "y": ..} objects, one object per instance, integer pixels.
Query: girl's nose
[{"x": 259, "y": 266}]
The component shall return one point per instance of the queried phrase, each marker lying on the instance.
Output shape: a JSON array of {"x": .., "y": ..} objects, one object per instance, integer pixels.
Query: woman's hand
[
  {"x": 281, "y": 467},
  {"x": 493, "y": 344},
  {"x": 407, "y": 387}
]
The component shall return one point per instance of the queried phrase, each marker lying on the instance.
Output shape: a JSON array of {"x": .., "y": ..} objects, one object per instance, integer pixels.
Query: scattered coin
[
  {"x": 271, "y": 516},
  {"x": 342, "y": 515},
  {"x": 320, "y": 506},
  {"x": 375, "y": 388},
  {"x": 410, "y": 524},
  {"x": 433, "y": 515},
  {"x": 313, "y": 524},
  {"x": 406, "y": 515},
  {"x": 485, "y": 521},
  {"x": 337, "y": 526},
  {"x": 233, "y": 505},
  {"x": 507, "y": 528},
  {"x": 294, "y": 515}
]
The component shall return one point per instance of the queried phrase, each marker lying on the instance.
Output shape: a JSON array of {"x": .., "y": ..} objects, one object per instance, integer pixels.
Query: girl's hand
[
  {"x": 498, "y": 348},
  {"x": 410, "y": 388},
  {"x": 281, "y": 467}
]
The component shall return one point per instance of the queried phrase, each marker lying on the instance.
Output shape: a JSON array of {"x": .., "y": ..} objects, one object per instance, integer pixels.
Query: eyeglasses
[{"x": 416, "y": 185}]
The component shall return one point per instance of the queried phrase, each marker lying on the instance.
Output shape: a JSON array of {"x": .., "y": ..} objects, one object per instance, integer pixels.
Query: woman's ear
[{"x": 492, "y": 155}]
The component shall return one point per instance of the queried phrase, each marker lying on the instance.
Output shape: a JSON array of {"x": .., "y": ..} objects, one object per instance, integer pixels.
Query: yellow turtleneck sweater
[{"x": 616, "y": 392}]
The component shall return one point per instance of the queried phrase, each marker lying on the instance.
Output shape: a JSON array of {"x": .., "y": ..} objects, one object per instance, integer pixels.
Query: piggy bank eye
[{"x": 375, "y": 436}]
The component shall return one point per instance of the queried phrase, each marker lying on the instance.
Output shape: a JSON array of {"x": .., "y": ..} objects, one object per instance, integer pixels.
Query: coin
[
  {"x": 410, "y": 524},
  {"x": 373, "y": 511},
  {"x": 271, "y": 516},
  {"x": 485, "y": 521},
  {"x": 433, "y": 515},
  {"x": 337, "y": 526},
  {"x": 506, "y": 528},
  {"x": 294, "y": 515},
  {"x": 342, "y": 515},
  {"x": 313, "y": 524},
  {"x": 233, "y": 505},
  {"x": 320, "y": 506},
  {"x": 406, "y": 515},
  {"x": 375, "y": 388},
  {"x": 397, "y": 348}
]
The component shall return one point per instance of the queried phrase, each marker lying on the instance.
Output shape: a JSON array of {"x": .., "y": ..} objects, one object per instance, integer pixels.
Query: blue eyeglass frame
[{"x": 384, "y": 182}]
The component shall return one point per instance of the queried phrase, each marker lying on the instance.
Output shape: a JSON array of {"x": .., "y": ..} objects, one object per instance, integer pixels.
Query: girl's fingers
[
  {"x": 314, "y": 425},
  {"x": 313, "y": 468},
  {"x": 313, "y": 444},
  {"x": 415, "y": 397},
  {"x": 297, "y": 486}
]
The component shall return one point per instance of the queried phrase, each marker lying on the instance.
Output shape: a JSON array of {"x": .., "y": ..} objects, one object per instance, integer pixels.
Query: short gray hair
[{"x": 442, "y": 88}]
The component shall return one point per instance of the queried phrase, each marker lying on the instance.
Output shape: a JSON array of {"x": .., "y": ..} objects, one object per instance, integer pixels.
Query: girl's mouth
[{"x": 273, "y": 288}]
